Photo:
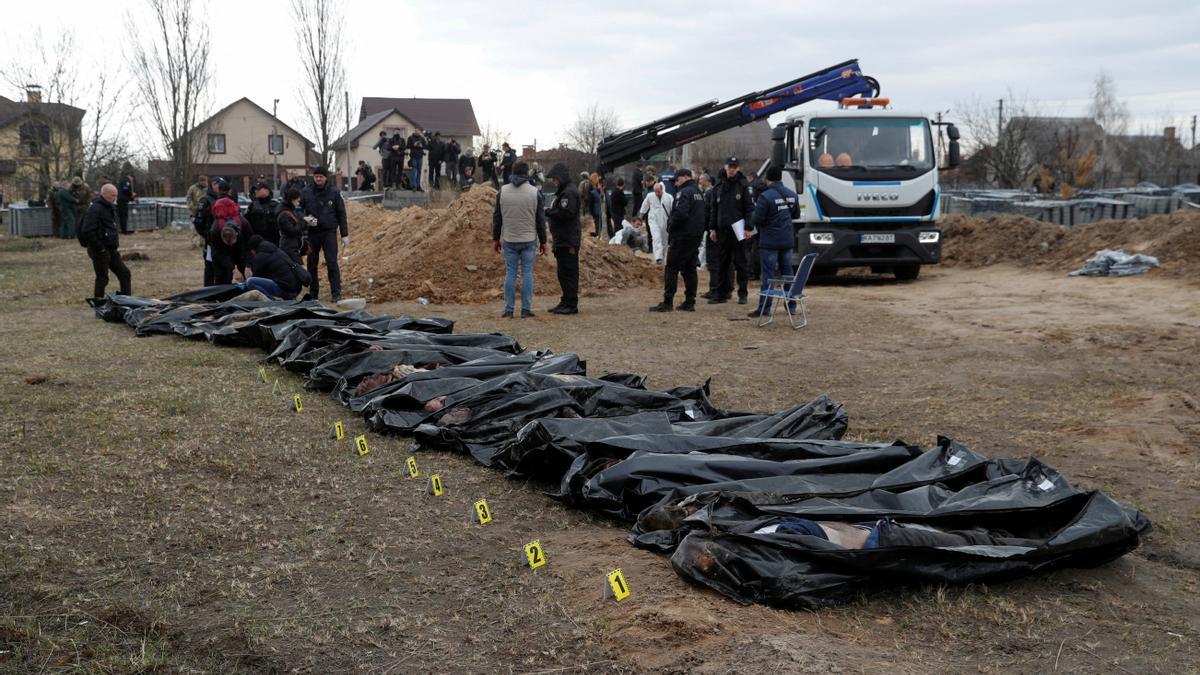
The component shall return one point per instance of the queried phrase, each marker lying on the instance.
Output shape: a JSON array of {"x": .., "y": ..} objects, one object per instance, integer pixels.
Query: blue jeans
[
  {"x": 269, "y": 287},
  {"x": 522, "y": 253},
  {"x": 776, "y": 264},
  {"x": 416, "y": 172}
]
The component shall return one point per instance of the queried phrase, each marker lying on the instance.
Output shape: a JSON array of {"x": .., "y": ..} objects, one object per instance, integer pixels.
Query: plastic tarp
[
  {"x": 775, "y": 508},
  {"x": 1109, "y": 263}
]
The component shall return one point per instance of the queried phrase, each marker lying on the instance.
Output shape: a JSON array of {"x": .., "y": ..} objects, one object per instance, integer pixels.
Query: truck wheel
[{"x": 907, "y": 272}]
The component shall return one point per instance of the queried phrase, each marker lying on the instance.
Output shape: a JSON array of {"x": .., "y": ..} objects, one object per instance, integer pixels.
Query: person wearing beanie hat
[
  {"x": 731, "y": 205},
  {"x": 684, "y": 230},
  {"x": 324, "y": 204},
  {"x": 774, "y": 211}
]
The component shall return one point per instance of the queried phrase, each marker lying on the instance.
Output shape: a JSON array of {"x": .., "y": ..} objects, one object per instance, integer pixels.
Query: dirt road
[{"x": 160, "y": 508}]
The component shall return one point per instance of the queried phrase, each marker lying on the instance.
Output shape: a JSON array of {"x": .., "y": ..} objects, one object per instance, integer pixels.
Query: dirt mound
[
  {"x": 974, "y": 242},
  {"x": 445, "y": 254}
]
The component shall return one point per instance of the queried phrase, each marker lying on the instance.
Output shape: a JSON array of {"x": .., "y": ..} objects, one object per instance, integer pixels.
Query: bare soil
[{"x": 161, "y": 509}]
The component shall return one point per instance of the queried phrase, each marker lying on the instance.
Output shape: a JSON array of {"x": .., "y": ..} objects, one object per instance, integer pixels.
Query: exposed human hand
[
  {"x": 345, "y": 241},
  {"x": 712, "y": 236},
  {"x": 496, "y": 245},
  {"x": 542, "y": 249}
]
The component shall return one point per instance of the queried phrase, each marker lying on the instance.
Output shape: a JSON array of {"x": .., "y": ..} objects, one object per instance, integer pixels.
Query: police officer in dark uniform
[
  {"x": 731, "y": 203},
  {"x": 774, "y": 212},
  {"x": 565, "y": 230},
  {"x": 261, "y": 213},
  {"x": 685, "y": 227},
  {"x": 323, "y": 203}
]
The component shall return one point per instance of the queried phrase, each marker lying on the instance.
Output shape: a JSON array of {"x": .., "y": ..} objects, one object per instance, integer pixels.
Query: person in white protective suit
[{"x": 655, "y": 209}]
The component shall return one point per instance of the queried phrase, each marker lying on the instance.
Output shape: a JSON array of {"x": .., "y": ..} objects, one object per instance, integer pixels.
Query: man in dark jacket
[
  {"x": 774, "y": 211},
  {"x": 487, "y": 164},
  {"x": 616, "y": 210},
  {"x": 289, "y": 220},
  {"x": 452, "y": 153},
  {"x": 398, "y": 144},
  {"x": 202, "y": 222},
  {"x": 416, "y": 152},
  {"x": 685, "y": 228},
  {"x": 507, "y": 159},
  {"x": 731, "y": 205},
  {"x": 273, "y": 270},
  {"x": 229, "y": 241},
  {"x": 366, "y": 176},
  {"x": 98, "y": 232},
  {"x": 384, "y": 147},
  {"x": 467, "y": 166},
  {"x": 437, "y": 155},
  {"x": 261, "y": 214},
  {"x": 323, "y": 203},
  {"x": 566, "y": 232},
  {"x": 125, "y": 195}
]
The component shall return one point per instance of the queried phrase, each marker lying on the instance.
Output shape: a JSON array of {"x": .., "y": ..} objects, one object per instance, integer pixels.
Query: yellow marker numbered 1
[
  {"x": 413, "y": 471},
  {"x": 360, "y": 444},
  {"x": 297, "y": 404},
  {"x": 534, "y": 554},
  {"x": 339, "y": 430},
  {"x": 435, "y": 485},
  {"x": 483, "y": 514},
  {"x": 617, "y": 585}
]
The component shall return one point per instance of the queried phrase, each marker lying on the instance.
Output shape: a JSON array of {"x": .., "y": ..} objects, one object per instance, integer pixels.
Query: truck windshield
[{"x": 878, "y": 147}]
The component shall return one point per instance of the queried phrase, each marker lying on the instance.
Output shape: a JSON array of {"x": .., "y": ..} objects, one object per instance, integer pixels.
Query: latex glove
[
  {"x": 496, "y": 245},
  {"x": 345, "y": 241}
]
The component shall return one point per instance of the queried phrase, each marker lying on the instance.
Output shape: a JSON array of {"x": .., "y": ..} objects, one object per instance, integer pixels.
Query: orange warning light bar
[{"x": 859, "y": 102}]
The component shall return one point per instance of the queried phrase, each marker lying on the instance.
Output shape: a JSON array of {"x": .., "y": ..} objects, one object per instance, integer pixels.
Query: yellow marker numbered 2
[
  {"x": 534, "y": 554},
  {"x": 618, "y": 585},
  {"x": 360, "y": 444},
  {"x": 483, "y": 514},
  {"x": 413, "y": 471},
  {"x": 297, "y": 404}
]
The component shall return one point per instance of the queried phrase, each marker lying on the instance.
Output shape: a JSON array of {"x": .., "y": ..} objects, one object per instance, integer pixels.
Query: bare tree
[
  {"x": 590, "y": 127},
  {"x": 1002, "y": 145},
  {"x": 319, "y": 24},
  {"x": 1112, "y": 115},
  {"x": 491, "y": 136},
  {"x": 171, "y": 75}
]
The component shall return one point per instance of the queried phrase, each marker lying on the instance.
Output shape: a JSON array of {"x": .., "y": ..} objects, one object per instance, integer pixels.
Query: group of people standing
[
  {"x": 265, "y": 246},
  {"x": 403, "y": 161}
]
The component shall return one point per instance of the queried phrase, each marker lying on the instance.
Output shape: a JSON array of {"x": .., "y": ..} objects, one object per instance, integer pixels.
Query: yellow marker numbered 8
[{"x": 534, "y": 554}]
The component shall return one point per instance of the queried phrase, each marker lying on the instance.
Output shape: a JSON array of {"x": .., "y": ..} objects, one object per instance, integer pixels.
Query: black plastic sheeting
[{"x": 773, "y": 508}]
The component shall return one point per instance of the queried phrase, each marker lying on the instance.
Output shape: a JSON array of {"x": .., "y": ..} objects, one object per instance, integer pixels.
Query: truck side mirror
[
  {"x": 954, "y": 154},
  {"x": 952, "y": 132}
]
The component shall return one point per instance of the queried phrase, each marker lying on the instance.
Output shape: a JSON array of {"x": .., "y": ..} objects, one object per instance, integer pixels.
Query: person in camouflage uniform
[
  {"x": 82, "y": 192},
  {"x": 196, "y": 193},
  {"x": 66, "y": 211}
]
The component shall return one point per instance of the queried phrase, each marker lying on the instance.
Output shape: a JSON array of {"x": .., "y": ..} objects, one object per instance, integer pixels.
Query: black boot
[
  {"x": 688, "y": 305},
  {"x": 664, "y": 306}
]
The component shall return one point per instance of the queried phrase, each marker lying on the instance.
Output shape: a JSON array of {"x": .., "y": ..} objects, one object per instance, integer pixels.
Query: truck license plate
[{"x": 877, "y": 238}]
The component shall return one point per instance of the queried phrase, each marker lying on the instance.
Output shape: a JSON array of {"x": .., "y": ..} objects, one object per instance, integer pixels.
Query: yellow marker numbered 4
[
  {"x": 483, "y": 514},
  {"x": 618, "y": 585},
  {"x": 413, "y": 471},
  {"x": 360, "y": 444},
  {"x": 535, "y": 554},
  {"x": 435, "y": 485}
]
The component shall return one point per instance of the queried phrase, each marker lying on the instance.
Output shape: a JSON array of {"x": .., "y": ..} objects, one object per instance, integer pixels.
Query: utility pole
[
  {"x": 348, "y": 160},
  {"x": 1000, "y": 122},
  {"x": 271, "y": 146},
  {"x": 1193, "y": 132}
]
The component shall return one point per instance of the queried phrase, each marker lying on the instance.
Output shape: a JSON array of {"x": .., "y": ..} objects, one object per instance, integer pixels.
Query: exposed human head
[
  {"x": 109, "y": 192},
  {"x": 705, "y": 181},
  {"x": 262, "y": 192},
  {"x": 731, "y": 170},
  {"x": 320, "y": 176},
  {"x": 255, "y": 241},
  {"x": 506, "y": 146},
  {"x": 621, "y": 183},
  {"x": 521, "y": 169},
  {"x": 292, "y": 196},
  {"x": 202, "y": 181},
  {"x": 382, "y": 133},
  {"x": 774, "y": 174},
  {"x": 658, "y": 189},
  {"x": 229, "y": 235},
  {"x": 843, "y": 160}
]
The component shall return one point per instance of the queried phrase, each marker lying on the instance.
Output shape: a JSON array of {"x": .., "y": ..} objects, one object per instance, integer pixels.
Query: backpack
[{"x": 301, "y": 273}]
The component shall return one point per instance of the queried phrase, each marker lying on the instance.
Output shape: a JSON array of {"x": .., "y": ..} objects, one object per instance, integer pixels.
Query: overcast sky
[{"x": 529, "y": 68}]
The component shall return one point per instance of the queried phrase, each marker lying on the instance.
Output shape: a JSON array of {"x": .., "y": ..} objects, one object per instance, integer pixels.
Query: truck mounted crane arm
[{"x": 832, "y": 83}]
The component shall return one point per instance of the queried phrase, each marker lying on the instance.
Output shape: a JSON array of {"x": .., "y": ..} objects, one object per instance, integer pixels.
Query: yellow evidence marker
[
  {"x": 617, "y": 586},
  {"x": 483, "y": 514},
  {"x": 435, "y": 487},
  {"x": 360, "y": 443},
  {"x": 534, "y": 554},
  {"x": 413, "y": 471},
  {"x": 339, "y": 430},
  {"x": 262, "y": 374},
  {"x": 297, "y": 404}
]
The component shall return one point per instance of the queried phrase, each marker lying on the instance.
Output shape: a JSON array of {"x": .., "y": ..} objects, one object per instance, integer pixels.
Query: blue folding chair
[{"x": 788, "y": 292}]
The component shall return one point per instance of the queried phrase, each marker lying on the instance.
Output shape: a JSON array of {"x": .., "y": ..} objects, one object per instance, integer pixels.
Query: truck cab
[{"x": 867, "y": 182}]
